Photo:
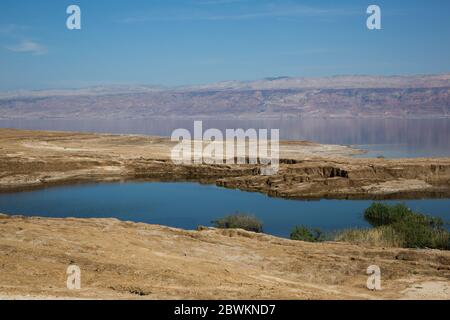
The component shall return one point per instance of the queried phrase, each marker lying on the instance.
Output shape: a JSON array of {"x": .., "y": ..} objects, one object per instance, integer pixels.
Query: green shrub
[
  {"x": 418, "y": 234},
  {"x": 303, "y": 233},
  {"x": 394, "y": 224},
  {"x": 379, "y": 214},
  {"x": 239, "y": 221}
]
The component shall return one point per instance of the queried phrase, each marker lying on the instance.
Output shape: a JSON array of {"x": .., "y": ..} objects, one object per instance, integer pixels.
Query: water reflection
[{"x": 382, "y": 137}]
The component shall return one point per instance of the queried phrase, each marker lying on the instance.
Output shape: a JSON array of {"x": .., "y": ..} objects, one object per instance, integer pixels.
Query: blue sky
[{"x": 172, "y": 42}]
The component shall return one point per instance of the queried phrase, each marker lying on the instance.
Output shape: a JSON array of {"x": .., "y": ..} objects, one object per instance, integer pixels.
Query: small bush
[
  {"x": 303, "y": 233},
  {"x": 420, "y": 235},
  {"x": 379, "y": 214},
  {"x": 399, "y": 226},
  {"x": 239, "y": 221}
]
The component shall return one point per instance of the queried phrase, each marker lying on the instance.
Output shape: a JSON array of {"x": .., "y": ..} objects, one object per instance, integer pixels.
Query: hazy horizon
[{"x": 187, "y": 85}]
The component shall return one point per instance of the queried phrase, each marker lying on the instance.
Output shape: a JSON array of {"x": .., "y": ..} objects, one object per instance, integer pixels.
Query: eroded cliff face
[
  {"x": 352, "y": 179},
  {"x": 307, "y": 170}
]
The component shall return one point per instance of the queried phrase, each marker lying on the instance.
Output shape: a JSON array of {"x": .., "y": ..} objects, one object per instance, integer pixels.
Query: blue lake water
[{"x": 187, "y": 205}]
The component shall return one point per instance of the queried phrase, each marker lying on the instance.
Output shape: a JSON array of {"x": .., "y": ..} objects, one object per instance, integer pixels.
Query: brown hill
[{"x": 345, "y": 96}]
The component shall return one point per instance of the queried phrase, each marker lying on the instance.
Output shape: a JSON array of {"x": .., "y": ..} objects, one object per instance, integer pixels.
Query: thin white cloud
[
  {"x": 28, "y": 46},
  {"x": 217, "y": 2},
  {"x": 269, "y": 11},
  {"x": 14, "y": 39},
  {"x": 210, "y": 61},
  {"x": 311, "y": 51},
  {"x": 11, "y": 29}
]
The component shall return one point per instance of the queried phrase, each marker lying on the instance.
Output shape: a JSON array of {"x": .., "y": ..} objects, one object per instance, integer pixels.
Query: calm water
[
  {"x": 391, "y": 138},
  {"x": 187, "y": 205}
]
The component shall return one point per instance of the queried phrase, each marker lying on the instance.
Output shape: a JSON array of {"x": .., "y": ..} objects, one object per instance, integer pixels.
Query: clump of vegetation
[
  {"x": 239, "y": 221},
  {"x": 384, "y": 236},
  {"x": 399, "y": 226},
  {"x": 303, "y": 233},
  {"x": 380, "y": 214}
]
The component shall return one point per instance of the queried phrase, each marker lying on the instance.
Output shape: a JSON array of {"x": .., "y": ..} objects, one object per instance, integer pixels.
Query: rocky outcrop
[{"x": 31, "y": 159}]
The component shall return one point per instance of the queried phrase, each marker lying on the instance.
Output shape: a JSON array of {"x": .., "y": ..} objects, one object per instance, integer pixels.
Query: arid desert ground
[{"x": 121, "y": 259}]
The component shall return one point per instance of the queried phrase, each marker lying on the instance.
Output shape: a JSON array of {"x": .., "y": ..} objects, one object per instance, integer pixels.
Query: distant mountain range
[{"x": 339, "y": 96}]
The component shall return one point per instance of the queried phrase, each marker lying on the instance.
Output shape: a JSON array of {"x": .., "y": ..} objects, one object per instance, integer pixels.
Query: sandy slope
[{"x": 139, "y": 261}]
